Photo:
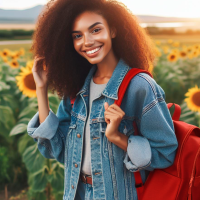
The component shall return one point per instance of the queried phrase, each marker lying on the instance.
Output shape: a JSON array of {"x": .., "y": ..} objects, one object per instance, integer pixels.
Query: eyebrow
[{"x": 89, "y": 27}]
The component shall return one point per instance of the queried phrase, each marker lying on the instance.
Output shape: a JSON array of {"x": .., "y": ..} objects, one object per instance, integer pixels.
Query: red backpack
[{"x": 181, "y": 181}]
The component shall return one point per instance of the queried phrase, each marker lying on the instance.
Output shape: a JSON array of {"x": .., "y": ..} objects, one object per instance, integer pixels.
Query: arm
[
  {"x": 156, "y": 145},
  {"x": 51, "y": 133}
]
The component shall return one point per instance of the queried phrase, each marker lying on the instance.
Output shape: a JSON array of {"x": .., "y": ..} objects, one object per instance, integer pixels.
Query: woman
[{"x": 88, "y": 47}]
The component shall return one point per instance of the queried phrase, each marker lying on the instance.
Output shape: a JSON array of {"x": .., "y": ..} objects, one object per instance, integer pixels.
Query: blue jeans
[{"x": 84, "y": 191}]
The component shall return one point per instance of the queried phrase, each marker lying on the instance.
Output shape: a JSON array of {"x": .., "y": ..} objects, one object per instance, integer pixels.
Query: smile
[{"x": 93, "y": 52}]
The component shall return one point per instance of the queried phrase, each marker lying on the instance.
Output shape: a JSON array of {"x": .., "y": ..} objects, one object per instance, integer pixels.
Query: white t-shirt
[{"x": 95, "y": 90}]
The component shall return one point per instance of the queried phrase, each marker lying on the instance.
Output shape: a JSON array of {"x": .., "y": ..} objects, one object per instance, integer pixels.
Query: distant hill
[
  {"x": 30, "y": 16},
  {"x": 20, "y": 16}
]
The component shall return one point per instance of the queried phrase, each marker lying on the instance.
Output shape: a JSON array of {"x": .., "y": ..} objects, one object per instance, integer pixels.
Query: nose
[{"x": 88, "y": 41}]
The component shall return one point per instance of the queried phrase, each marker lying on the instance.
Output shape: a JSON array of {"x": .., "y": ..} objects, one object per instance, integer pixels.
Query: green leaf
[
  {"x": 6, "y": 116},
  {"x": 38, "y": 180},
  {"x": 24, "y": 142},
  {"x": 18, "y": 129},
  {"x": 57, "y": 181},
  {"x": 33, "y": 158},
  {"x": 27, "y": 112},
  {"x": 4, "y": 86}
]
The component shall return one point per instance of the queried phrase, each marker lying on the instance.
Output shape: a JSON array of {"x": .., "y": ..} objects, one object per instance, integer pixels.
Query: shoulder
[{"x": 143, "y": 83}]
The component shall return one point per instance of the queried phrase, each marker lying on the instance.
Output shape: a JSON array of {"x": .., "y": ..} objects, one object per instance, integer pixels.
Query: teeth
[{"x": 92, "y": 51}]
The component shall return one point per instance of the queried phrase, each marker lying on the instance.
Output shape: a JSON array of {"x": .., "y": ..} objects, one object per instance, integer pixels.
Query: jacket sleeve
[
  {"x": 156, "y": 144},
  {"x": 51, "y": 134}
]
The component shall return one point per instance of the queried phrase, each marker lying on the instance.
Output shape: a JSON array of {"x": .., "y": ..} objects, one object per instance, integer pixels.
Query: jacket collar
[{"x": 111, "y": 89}]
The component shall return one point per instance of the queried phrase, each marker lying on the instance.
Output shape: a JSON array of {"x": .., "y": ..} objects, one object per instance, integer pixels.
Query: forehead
[{"x": 86, "y": 19}]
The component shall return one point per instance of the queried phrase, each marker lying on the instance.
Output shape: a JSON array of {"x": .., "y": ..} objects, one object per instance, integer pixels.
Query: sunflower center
[
  {"x": 183, "y": 54},
  {"x": 172, "y": 57},
  {"x": 29, "y": 82},
  {"x": 196, "y": 98}
]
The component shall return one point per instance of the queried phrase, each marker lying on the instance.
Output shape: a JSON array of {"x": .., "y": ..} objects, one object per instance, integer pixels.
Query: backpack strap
[
  {"x": 123, "y": 86},
  {"x": 177, "y": 111}
]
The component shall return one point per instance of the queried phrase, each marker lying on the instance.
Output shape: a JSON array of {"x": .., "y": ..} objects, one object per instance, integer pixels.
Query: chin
[{"x": 94, "y": 61}]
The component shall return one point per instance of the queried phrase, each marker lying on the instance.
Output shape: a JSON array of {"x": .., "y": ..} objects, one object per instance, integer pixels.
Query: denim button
[
  {"x": 78, "y": 135},
  {"x": 76, "y": 165},
  {"x": 72, "y": 187}
]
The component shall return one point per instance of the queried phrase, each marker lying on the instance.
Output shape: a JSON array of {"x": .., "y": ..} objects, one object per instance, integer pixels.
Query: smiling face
[{"x": 92, "y": 37}]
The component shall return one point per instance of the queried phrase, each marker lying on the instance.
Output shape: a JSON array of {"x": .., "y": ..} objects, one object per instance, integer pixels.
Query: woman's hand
[
  {"x": 113, "y": 115},
  {"x": 39, "y": 73}
]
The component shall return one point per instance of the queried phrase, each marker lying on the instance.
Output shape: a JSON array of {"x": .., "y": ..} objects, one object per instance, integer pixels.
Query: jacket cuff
[
  {"x": 46, "y": 130},
  {"x": 138, "y": 155}
]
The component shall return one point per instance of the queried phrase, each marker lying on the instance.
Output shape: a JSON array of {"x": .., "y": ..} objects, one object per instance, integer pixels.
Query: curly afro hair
[{"x": 67, "y": 69}]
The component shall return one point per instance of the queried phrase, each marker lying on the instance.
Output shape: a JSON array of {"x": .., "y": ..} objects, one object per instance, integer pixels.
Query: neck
[{"x": 106, "y": 67}]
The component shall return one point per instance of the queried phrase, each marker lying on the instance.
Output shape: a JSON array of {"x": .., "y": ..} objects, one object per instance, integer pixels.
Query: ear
[{"x": 113, "y": 32}]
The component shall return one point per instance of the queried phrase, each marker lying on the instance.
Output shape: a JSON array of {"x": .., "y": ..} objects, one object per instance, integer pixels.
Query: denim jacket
[{"x": 60, "y": 136}]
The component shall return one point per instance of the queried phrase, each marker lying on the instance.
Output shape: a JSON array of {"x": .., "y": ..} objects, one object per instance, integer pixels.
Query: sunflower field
[{"x": 176, "y": 70}]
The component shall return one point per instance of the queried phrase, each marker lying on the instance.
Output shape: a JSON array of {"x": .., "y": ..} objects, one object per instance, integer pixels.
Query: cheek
[
  {"x": 107, "y": 42},
  {"x": 77, "y": 46}
]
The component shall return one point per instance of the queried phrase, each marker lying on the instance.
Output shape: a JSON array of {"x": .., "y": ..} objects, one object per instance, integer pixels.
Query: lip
[{"x": 93, "y": 54}]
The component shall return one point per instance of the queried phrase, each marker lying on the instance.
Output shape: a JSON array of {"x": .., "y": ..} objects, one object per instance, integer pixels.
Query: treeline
[
  {"x": 25, "y": 34},
  {"x": 14, "y": 33},
  {"x": 171, "y": 31}
]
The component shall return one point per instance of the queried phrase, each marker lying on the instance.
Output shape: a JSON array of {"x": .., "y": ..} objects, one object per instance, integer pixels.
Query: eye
[
  {"x": 76, "y": 37},
  {"x": 97, "y": 29}
]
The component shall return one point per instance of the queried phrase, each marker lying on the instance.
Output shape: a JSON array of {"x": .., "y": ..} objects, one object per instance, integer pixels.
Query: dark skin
[{"x": 90, "y": 31}]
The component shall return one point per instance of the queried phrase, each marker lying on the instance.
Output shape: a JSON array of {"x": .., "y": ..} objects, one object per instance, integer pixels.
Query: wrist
[
  {"x": 42, "y": 89},
  {"x": 114, "y": 137}
]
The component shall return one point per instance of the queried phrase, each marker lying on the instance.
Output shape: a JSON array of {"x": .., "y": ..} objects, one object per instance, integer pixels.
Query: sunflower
[
  {"x": 30, "y": 64},
  {"x": 26, "y": 83},
  {"x": 21, "y": 51},
  {"x": 165, "y": 49},
  {"x": 5, "y": 59},
  {"x": 176, "y": 51},
  {"x": 190, "y": 56},
  {"x": 176, "y": 44},
  {"x": 158, "y": 42},
  {"x": 170, "y": 41},
  {"x": 5, "y": 53},
  {"x": 15, "y": 55},
  {"x": 193, "y": 99},
  {"x": 196, "y": 47},
  {"x": 184, "y": 47},
  {"x": 195, "y": 53},
  {"x": 183, "y": 54},
  {"x": 157, "y": 52},
  {"x": 151, "y": 66},
  {"x": 14, "y": 64},
  {"x": 189, "y": 49},
  {"x": 172, "y": 57}
]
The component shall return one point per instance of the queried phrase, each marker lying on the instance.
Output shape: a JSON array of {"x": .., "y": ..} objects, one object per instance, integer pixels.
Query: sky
[{"x": 169, "y": 8}]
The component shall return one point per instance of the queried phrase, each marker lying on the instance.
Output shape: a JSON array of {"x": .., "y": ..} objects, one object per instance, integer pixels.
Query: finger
[
  {"x": 106, "y": 105},
  {"x": 112, "y": 110},
  {"x": 111, "y": 117},
  {"x": 116, "y": 107},
  {"x": 107, "y": 120},
  {"x": 38, "y": 58}
]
